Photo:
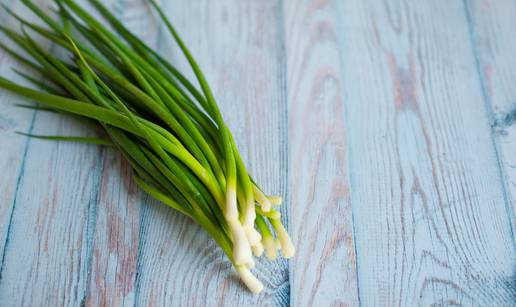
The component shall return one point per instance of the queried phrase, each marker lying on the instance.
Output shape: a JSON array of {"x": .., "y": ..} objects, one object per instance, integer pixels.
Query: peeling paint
[{"x": 504, "y": 121}]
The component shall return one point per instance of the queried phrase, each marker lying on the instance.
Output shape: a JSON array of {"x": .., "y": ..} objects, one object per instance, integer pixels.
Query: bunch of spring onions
[{"x": 173, "y": 135}]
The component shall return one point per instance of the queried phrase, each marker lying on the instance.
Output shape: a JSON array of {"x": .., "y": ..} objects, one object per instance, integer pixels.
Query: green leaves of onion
[{"x": 173, "y": 135}]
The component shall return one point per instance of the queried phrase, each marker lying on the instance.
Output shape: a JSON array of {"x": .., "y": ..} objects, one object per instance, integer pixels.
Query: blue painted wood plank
[
  {"x": 115, "y": 235},
  {"x": 323, "y": 272},
  {"x": 50, "y": 247},
  {"x": 32, "y": 236},
  {"x": 46, "y": 251},
  {"x": 491, "y": 25},
  {"x": 238, "y": 47},
  {"x": 12, "y": 149},
  {"x": 113, "y": 232},
  {"x": 428, "y": 200},
  {"x": 369, "y": 118}
]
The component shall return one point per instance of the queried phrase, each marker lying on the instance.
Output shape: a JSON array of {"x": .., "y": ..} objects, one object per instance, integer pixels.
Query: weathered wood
[
  {"x": 378, "y": 121},
  {"x": 492, "y": 27},
  {"x": 105, "y": 223},
  {"x": 112, "y": 266},
  {"x": 324, "y": 269},
  {"x": 115, "y": 240},
  {"x": 238, "y": 46},
  {"x": 44, "y": 252},
  {"x": 109, "y": 228},
  {"x": 12, "y": 147},
  {"x": 429, "y": 216}
]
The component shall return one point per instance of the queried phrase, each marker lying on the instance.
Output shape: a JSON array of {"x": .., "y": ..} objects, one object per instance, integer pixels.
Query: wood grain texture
[
  {"x": 324, "y": 269},
  {"x": 44, "y": 251},
  {"x": 428, "y": 201},
  {"x": 238, "y": 46},
  {"x": 114, "y": 237},
  {"x": 492, "y": 27},
  {"x": 12, "y": 150},
  {"x": 380, "y": 122},
  {"x": 116, "y": 221}
]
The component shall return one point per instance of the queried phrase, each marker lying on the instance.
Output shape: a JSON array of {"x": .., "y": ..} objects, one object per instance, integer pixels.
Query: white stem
[
  {"x": 252, "y": 235},
  {"x": 270, "y": 248},
  {"x": 287, "y": 248},
  {"x": 275, "y": 200},
  {"x": 262, "y": 199},
  {"x": 231, "y": 205},
  {"x": 278, "y": 244},
  {"x": 257, "y": 249},
  {"x": 249, "y": 279},
  {"x": 249, "y": 215},
  {"x": 250, "y": 264},
  {"x": 241, "y": 248}
]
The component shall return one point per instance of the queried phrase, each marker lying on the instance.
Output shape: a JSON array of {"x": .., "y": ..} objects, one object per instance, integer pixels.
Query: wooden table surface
[{"x": 388, "y": 126}]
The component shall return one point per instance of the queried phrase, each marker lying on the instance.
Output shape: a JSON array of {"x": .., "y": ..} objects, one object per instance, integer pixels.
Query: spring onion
[{"x": 172, "y": 134}]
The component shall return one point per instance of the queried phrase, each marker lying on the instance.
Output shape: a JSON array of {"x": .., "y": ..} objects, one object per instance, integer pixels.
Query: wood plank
[
  {"x": 47, "y": 247},
  {"x": 44, "y": 249},
  {"x": 12, "y": 147},
  {"x": 237, "y": 45},
  {"x": 324, "y": 269},
  {"x": 492, "y": 27},
  {"x": 111, "y": 226},
  {"x": 72, "y": 216},
  {"x": 115, "y": 241},
  {"x": 428, "y": 201}
]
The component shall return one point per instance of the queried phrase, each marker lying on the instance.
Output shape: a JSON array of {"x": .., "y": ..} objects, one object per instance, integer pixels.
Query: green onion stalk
[{"x": 171, "y": 132}]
